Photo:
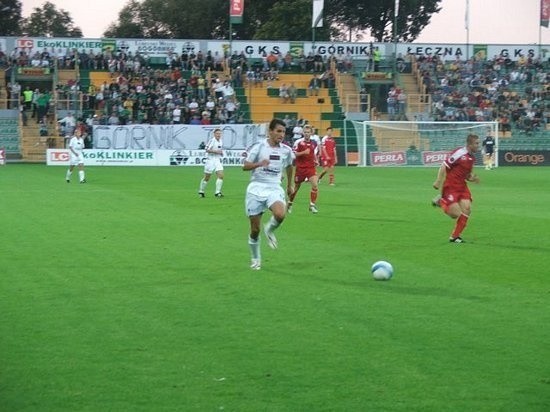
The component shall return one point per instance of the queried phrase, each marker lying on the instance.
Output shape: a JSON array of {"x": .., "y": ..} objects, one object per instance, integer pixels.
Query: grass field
[{"x": 130, "y": 293}]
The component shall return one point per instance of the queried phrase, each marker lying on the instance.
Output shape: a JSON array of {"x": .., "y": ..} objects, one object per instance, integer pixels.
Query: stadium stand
[{"x": 118, "y": 88}]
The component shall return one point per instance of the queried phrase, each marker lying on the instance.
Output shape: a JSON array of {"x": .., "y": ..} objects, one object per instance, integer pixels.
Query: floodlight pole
[
  {"x": 395, "y": 42},
  {"x": 315, "y": 23},
  {"x": 540, "y": 42},
  {"x": 230, "y": 38},
  {"x": 467, "y": 23}
]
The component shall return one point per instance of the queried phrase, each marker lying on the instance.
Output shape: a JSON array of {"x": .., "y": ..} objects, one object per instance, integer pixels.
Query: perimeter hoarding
[
  {"x": 524, "y": 158},
  {"x": 256, "y": 48},
  {"x": 96, "y": 157}
]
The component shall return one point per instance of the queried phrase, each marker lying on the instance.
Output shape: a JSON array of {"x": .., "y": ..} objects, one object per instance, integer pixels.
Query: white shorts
[
  {"x": 76, "y": 160},
  {"x": 260, "y": 197},
  {"x": 213, "y": 165}
]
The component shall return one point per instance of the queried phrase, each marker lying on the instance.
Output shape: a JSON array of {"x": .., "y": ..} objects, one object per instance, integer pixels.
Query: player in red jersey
[
  {"x": 306, "y": 151},
  {"x": 329, "y": 158},
  {"x": 456, "y": 199}
]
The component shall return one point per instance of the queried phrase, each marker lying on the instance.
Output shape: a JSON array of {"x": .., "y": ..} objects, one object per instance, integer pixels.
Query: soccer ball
[{"x": 382, "y": 270}]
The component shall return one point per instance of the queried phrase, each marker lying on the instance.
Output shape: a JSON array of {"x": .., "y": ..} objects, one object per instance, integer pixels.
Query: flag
[
  {"x": 544, "y": 13},
  {"x": 317, "y": 16},
  {"x": 236, "y": 9},
  {"x": 467, "y": 15},
  {"x": 396, "y": 11}
]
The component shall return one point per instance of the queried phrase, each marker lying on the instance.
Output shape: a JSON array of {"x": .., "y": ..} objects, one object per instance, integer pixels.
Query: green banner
[
  {"x": 480, "y": 51},
  {"x": 296, "y": 48},
  {"x": 108, "y": 44}
]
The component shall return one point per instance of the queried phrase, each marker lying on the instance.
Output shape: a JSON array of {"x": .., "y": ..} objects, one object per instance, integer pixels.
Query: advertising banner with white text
[
  {"x": 524, "y": 158},
  {"x": 95, "y": 157}
]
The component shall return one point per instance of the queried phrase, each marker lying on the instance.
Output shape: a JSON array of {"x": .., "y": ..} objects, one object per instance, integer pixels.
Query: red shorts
[
  {"x": 453, "y": 195},
  {"x": 304, "y": 174},
  {"x": 326, "y": 162}
]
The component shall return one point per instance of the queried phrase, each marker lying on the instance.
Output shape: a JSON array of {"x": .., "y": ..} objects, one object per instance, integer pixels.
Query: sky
[{"x": 491, "y": 21}]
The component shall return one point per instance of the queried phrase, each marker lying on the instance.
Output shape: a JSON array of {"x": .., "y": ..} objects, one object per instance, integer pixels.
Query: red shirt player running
[
  {"x": 329, "y": 158},
  {"x": 306, "y": 162},
  {"x": 456, "y": 198}
]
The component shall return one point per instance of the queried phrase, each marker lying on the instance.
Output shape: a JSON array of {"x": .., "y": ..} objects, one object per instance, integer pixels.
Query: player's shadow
[
  {"x": 367, "y": 219},
  {"x": 367, "y": 284},
  {"x": 511, "y": 246}
]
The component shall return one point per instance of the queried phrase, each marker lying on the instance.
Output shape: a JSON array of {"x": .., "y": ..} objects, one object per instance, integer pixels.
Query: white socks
[
  {"x": 202, "y": 186},
  {"x": 272, "y": 224},
  {"x": 81, "y": 175},
  {"x": 254, "y": 245},
  {"x": 219, "y": 184}
]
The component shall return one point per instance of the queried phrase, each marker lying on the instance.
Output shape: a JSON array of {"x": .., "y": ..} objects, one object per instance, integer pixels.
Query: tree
[
  {"x": 10, "y": 16},
  {"x": 128, "y": 23},
  {"x": 49, "y": 22},
  {"x": 272, "y": 19},
  {"x": 377, "y": 16},
  {"x": 289, "y": 20},
  {"x": 160, "y": 19}
]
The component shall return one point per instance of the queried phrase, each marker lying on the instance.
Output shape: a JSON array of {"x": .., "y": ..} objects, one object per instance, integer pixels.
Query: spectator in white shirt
[
  {"x": 230, "y": 108},
  {"x": 176, "y": 115},
  {"x": 68, "y": 124},
  {"x": 228, "y": 91},
  {"x": 193, "y": 106}
]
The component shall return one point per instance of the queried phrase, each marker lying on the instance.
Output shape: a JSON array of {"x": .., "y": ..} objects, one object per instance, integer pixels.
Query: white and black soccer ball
[{"x": 382, "y": 270}]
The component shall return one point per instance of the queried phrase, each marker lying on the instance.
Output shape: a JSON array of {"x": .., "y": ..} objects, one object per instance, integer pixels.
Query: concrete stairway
[{"x": 33, "y": 146}]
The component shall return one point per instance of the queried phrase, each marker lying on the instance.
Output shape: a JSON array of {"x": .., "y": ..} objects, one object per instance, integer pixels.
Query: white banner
[
  {"x": 256, "y": 48},
  {"x": 158, "y": 48},
  {"x": 317, "y": 16},
  {"x": 251, "y": 49},
  {"x": 38, "y": 44},
  {"x": 95, "y": 157},
  {"x": 175, "y": 136},
  {"x": 198, "y": 157}
]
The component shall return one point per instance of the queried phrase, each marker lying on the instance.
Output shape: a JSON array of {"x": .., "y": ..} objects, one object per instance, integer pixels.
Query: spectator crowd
[{"x": 514, "y": 93}]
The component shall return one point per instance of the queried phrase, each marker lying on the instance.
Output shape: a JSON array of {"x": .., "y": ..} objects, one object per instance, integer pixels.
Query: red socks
[{"x": 461, "y": 223}]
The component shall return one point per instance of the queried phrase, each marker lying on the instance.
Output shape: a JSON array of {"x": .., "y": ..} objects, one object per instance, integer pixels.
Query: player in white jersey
[
  {"x": 267, "y": 160},
  {"x": 315, "y": 137},
  {"x": 214, "y": 153},
  {"x": 76, "y": 148}
]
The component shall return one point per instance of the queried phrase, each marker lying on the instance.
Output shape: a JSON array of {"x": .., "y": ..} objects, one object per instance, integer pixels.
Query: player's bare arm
[
  {"x": 289, "y": 187},
  {"x": 441, "y": 173},
  {"x": 473, "y": 178}
]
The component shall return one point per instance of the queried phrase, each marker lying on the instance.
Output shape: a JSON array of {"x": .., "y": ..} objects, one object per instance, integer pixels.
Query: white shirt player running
[
  {"x": 214, "y": 158},
  {"x": 279, "y": 158},
  {"x": 76, "y": 158},
  {"x": 76, "y": 148},
  {"x": 265, "y": 182}
]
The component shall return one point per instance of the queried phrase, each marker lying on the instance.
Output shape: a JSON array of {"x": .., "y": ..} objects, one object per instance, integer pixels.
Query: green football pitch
[{"x": 130, "y": 293}]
